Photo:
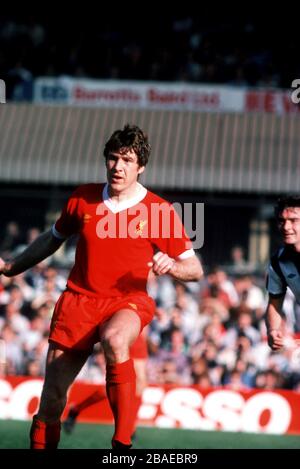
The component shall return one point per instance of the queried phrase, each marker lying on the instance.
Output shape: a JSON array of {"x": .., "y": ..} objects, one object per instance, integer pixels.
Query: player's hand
[
  {"x": 275, "y": 339},
  {"x": 161, "y": 263}
]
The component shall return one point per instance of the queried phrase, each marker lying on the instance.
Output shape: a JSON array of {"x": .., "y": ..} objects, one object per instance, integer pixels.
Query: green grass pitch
[{"x": 14, "y": 434}]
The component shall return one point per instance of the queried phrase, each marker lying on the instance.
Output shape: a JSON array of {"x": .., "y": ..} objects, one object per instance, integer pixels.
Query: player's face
[
  {"x": 289, "y": 225},
  {"x": 123, "y": 170}
]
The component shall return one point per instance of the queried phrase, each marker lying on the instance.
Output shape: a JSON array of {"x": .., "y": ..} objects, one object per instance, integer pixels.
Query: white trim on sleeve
[
  {"x": 186, "y": 254},
  {"x": 56, "y": 233}
]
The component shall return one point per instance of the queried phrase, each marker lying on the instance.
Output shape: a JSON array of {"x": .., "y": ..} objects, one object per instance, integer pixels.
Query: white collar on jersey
[{"x": 116, "y": 207}]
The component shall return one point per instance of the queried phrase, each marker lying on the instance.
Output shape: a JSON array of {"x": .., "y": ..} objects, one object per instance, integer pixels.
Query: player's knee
[{"x": 114, "y": 342}]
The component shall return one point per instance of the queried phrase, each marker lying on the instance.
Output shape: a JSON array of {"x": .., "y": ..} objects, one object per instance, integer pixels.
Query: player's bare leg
[
  {"x": 61, "y": 369},
  {"x": 116, "y": 336}
]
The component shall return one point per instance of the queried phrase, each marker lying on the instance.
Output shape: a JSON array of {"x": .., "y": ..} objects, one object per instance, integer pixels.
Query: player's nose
[
  {"x": 118, "y": 164},
  {"x": 287, "y": 225}
]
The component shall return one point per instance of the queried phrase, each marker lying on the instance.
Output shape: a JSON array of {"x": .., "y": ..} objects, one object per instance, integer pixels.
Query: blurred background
[{"x": 213, "y": 91}]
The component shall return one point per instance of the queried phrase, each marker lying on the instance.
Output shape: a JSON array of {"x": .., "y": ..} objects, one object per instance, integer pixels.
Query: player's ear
[{"x": 141, "y": 169}]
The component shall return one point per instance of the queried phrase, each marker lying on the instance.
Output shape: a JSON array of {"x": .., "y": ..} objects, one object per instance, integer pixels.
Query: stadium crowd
[
  {"x": 209, "y": 333},
  {"x": 240, "y": 50}
]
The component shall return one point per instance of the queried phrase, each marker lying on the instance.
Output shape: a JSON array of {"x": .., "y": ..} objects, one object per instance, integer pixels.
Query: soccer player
[
  {"x": 124, "y": 230},
  {"x": 139, "y": 353},
  {"x": 284, "y": 268}
]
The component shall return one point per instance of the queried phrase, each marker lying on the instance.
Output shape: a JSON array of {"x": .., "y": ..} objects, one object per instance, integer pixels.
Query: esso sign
[
  {"x": 21, "y": 402},
  {"x": 263, "y": 412},
  {"x": 232, "y": 412},
  {"x": 255, "y": 411}
]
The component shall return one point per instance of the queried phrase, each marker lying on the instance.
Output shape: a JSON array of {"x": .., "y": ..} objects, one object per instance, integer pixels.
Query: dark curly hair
[
  {"x": 291, "y": 200},
  {"x": 130, "y": 138}
]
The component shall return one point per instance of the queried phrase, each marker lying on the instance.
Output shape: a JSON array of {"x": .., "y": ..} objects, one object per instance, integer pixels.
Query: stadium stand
[{"x": 240, "y": 49}]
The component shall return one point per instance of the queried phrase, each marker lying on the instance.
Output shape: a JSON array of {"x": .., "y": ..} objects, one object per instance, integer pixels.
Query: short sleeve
[
  {"x": 276, "y": 284},
  {"x": 69, "y": 220}
]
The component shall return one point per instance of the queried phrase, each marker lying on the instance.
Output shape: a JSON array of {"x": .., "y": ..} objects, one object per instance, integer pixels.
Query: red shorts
[
  {"x": 77, "y": 317},
  {"x": 139, "y": 348}
]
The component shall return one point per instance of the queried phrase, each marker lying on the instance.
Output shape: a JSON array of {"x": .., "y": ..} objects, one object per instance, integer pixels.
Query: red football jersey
[{"x": 117, "y": 241}]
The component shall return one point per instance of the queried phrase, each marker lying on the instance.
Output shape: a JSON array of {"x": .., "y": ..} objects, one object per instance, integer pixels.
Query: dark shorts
[{"x": 77, "y": 317}]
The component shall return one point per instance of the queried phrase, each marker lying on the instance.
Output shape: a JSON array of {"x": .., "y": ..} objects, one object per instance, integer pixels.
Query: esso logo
[
  {"x": 21, "y": 402},
  {"x": 263, "y": 412}
]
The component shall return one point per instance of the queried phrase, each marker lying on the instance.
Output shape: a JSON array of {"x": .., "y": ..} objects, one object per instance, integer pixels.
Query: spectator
[{"x": 11, "y": 238}]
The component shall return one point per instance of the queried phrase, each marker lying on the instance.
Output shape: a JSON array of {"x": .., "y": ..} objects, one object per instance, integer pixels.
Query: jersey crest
[{"x": 140, "y": 227}]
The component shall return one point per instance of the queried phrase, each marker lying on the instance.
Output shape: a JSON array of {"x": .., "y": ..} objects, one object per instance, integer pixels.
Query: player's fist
[
  {"x": 161, "y": 263},
  {"x": 275, "y": 339}
]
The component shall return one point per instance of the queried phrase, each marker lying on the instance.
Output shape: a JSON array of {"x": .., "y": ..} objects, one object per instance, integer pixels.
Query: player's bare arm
[
  {"x": 187, "y": 270},
  {"x": 45, "y": 245},
  {"x": 273, "y": 323}
]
